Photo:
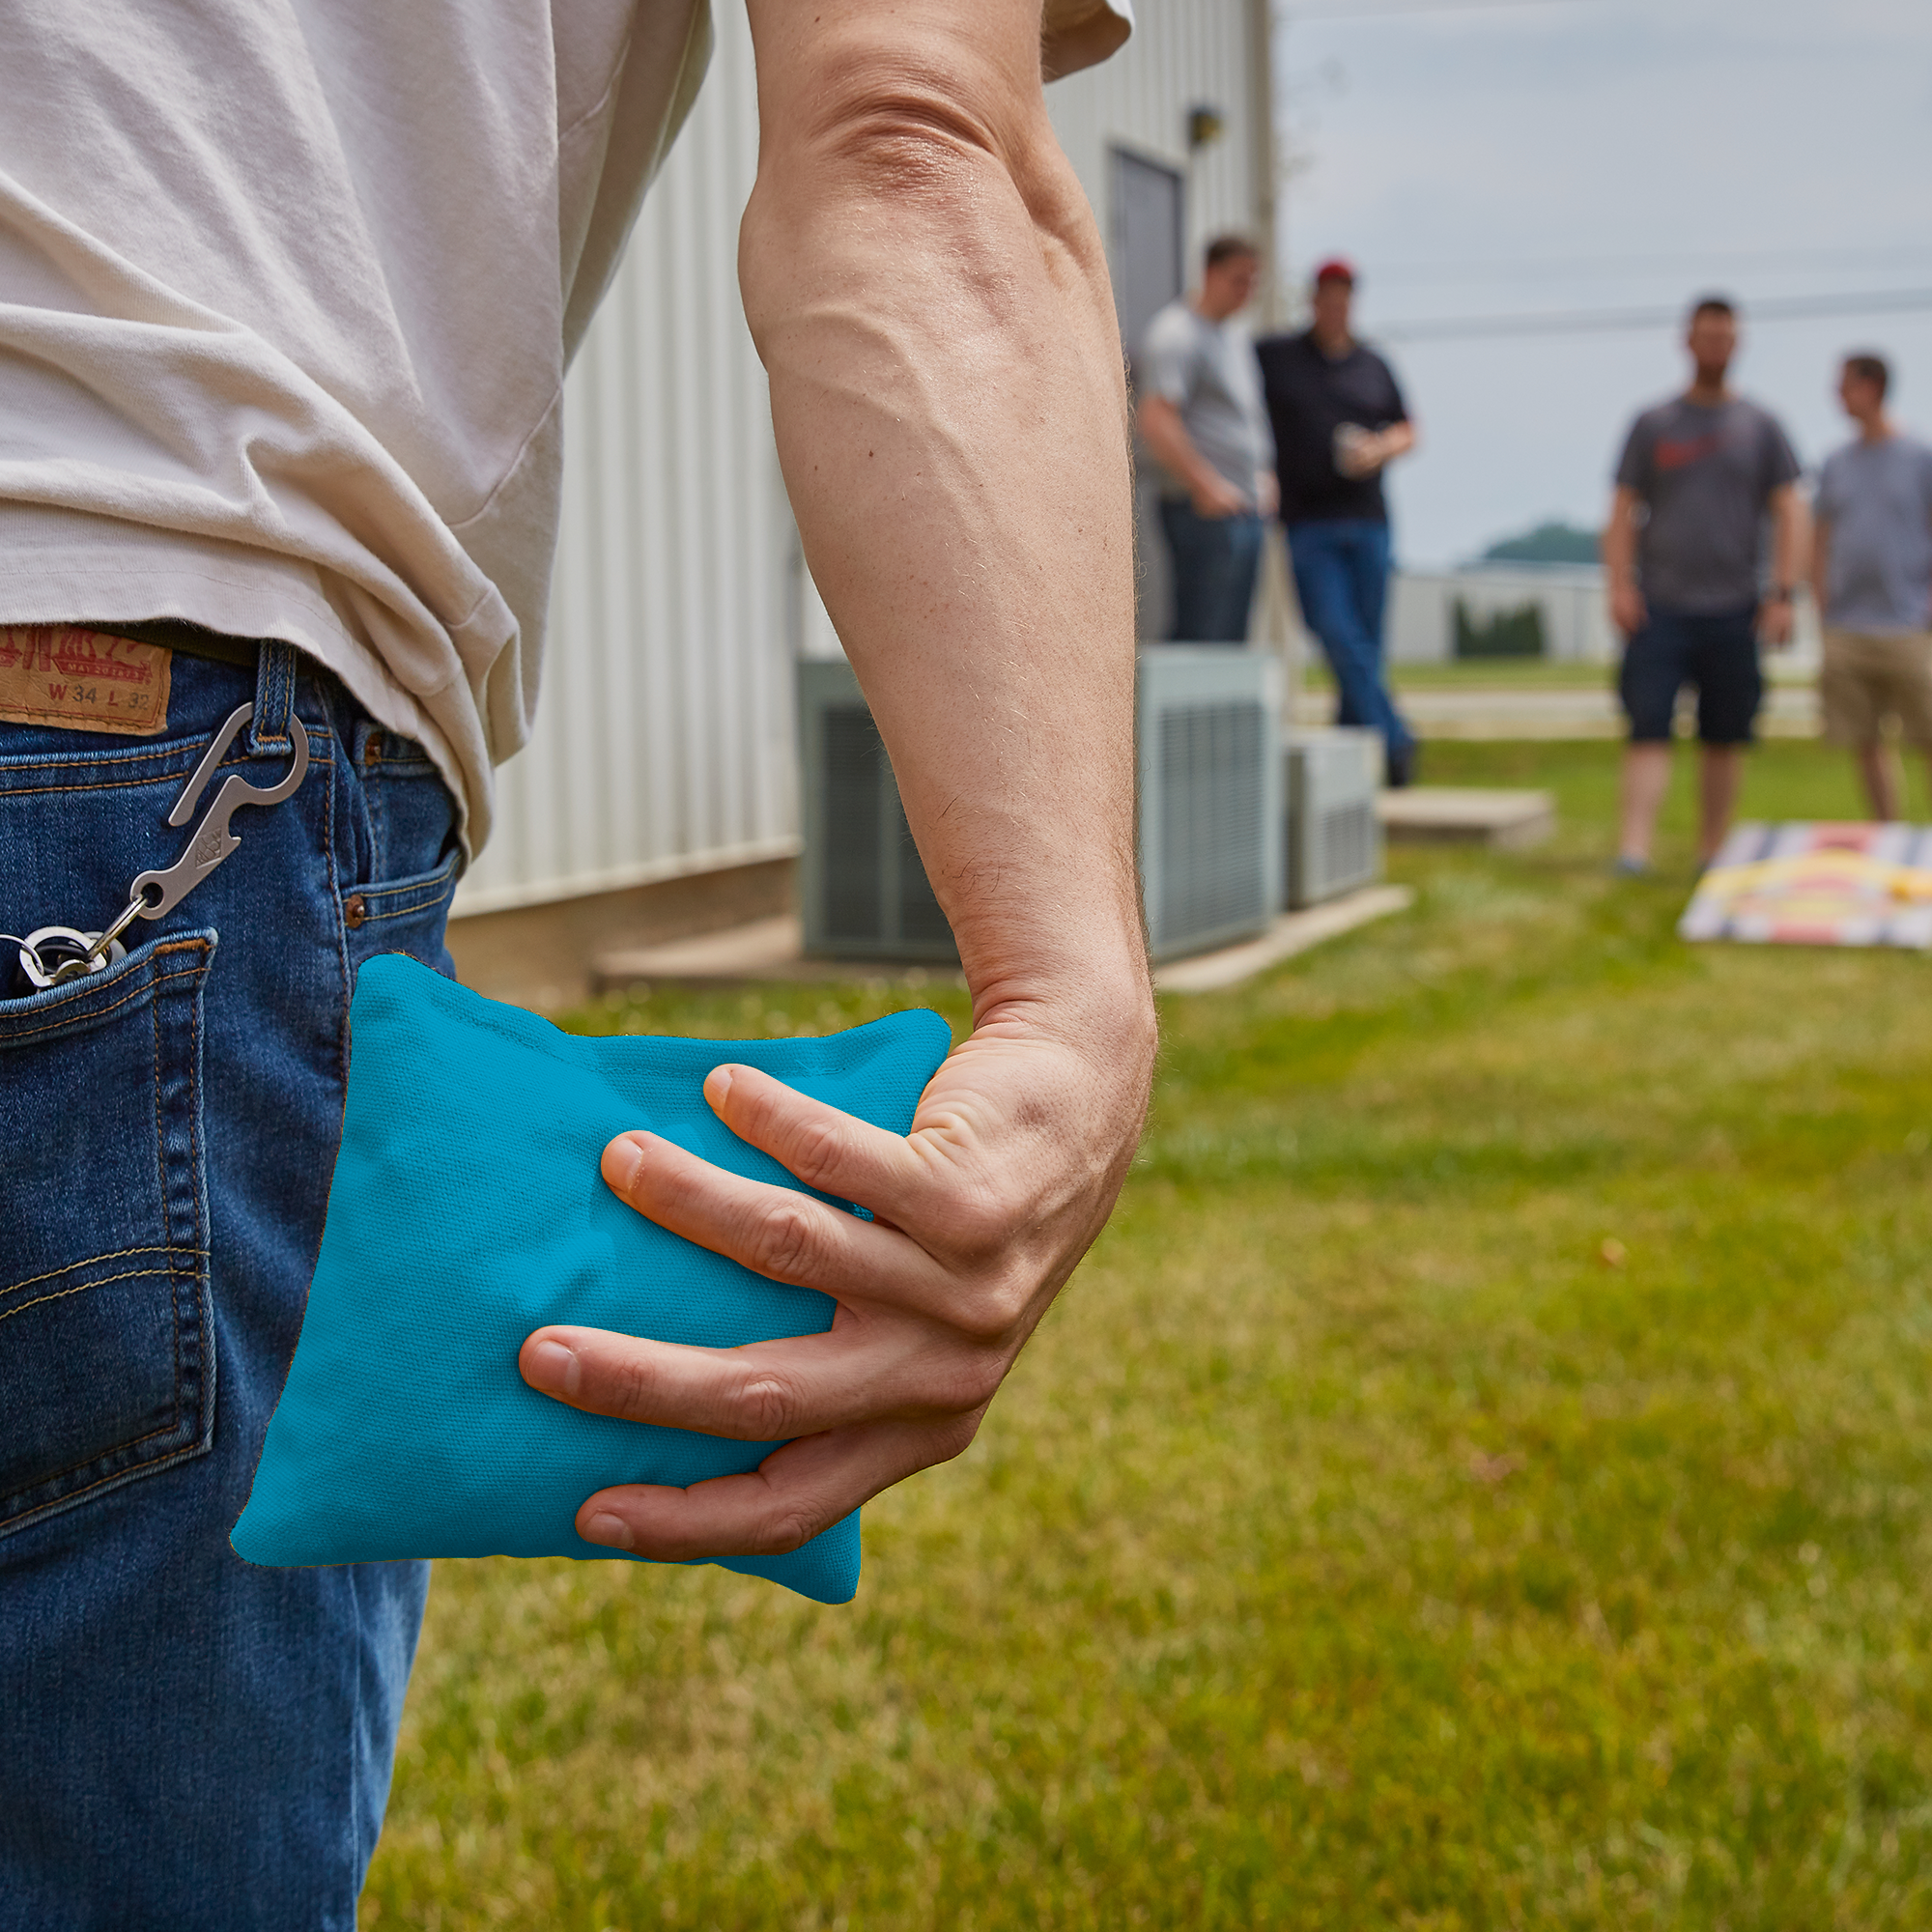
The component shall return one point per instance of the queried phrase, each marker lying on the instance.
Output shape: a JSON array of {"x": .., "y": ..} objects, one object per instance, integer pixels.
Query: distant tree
[
  {"x": 1546, "y": 543},
  {"x": 1502, "y": 634}
]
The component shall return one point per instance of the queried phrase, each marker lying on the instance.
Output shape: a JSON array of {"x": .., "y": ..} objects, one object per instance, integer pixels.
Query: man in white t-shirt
[
  {"x": 1201, "y": 414},
  {"x": 1871, "y": 572},
  {"x": 286, "y": 299}
]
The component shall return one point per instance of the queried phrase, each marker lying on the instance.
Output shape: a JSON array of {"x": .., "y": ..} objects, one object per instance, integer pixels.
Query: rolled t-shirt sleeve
[
  {"x": 1825, "y": 504},
  {"x": 1077, "y": 33},
  {"x": 1633, "y": 466},
  {"x": 1165, "y": 366},
  {"x": 1780, "y": 459},
  {"x": 1398, "y": 402}
]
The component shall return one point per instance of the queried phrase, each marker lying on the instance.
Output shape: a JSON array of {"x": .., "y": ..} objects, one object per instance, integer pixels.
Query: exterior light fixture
[{"x": 1205, "y": 126}]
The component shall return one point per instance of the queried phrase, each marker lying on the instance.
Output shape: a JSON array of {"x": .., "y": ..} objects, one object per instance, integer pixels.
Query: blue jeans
[
  {"x": 1341, "y": 578},
  {"x": 189, "y": 1740},
  {"x": 1214, "y": 561}
]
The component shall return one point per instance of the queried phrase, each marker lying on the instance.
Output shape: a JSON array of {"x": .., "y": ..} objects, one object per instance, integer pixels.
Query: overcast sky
[{"x": 1578, "y": 155}]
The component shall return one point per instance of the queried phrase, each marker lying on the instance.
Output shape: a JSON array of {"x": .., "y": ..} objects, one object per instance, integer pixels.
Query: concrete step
[{"x": 1467, "y": 815}]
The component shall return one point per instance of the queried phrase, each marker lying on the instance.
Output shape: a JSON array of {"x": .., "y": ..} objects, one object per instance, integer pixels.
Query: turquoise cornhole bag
[{"x": 467, "y": 1210}]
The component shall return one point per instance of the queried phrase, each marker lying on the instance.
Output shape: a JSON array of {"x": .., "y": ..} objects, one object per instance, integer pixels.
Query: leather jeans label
[{"x": 82, "y": 680}]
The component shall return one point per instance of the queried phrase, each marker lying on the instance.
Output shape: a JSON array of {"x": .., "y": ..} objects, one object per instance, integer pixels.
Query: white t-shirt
[
  {"x": 287, "y": 291},
  {"x": 1208, "y": 372}
]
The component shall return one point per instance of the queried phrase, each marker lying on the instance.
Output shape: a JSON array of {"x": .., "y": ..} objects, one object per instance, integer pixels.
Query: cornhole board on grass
[{"x": 1817, "y": 885}]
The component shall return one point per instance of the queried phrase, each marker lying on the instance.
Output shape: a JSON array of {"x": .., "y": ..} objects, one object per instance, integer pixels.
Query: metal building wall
[
  {"x": 663, "y": 738},
  {"x": 1183, "y": 54},
  {"x": 662, "y": 741}
]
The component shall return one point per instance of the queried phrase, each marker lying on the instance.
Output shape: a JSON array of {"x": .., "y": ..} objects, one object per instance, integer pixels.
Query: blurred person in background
[
  {"x": 1338, "y": 418},
  {"x": 1872, "y": 573},
  {"x": 1201, "y": 415},
  {"x": 1683, "y": 559}
]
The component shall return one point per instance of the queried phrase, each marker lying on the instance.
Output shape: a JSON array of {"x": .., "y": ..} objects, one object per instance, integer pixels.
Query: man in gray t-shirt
[
  {"x": 1871, "y": 570},
  {"x": 1700, "y": 476},
  {"x": 1201, "y": 414}
]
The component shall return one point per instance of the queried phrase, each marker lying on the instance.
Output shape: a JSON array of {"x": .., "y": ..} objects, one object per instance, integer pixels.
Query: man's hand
[
  {"x": 1267, "y": 493},
  {"x": 1369, "y": 451},
  {"x": 1790, "y": 545},
  {"x": 1208, "y": 489},
  {"x": 1213, "y": 495},
  {"x": 1014, "y": 1161},
  {"x": 1629, "y": 612}
]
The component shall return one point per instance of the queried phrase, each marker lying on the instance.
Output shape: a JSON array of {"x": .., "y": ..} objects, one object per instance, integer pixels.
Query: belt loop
[{"x": 275, "y": 671}]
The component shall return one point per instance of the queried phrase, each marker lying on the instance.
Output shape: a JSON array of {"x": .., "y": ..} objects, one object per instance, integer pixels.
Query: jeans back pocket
[{"x": 107, "y": 1339}]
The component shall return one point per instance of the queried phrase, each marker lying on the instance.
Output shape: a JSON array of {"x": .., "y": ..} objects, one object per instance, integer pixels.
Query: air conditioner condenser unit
[
  {"x": 1209, "y": 778},
  {"x": 1334, "y": 838},
  {"x": 864, "y": 894},
  {"x": 1210, "y": 810}
]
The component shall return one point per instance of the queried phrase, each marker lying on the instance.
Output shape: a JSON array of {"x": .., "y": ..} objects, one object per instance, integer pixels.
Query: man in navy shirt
[{"x": 1338, "y": 417}]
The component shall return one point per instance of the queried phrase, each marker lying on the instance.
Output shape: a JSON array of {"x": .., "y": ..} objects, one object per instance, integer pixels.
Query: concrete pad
[
  {"x": 1291, "y": 933},
  {"x": 764, "y": 949},
  {"x": 1467, "y": 815},
  {"x": 770, "y": 949}
]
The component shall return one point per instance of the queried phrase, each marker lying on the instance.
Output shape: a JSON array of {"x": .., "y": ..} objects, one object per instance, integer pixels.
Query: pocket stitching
[
  {"x": 145, "y": 990},
  {"x": 119, "y": 783},
  {"x": 127, "y": 1274},
  {"x": 132, "y": 1464},
  {"x": 409, "y": 911},
  {"x": 63, "y": 1502},
  {"x": 435, "y": 884},
  {"x": 113, "y": 1255}
]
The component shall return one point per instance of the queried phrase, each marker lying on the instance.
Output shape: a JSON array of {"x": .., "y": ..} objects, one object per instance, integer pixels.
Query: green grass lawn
[
  {"x": 1521, "y": 674},
  {"x": 1478, "y": 1480},
  {"x": 1478, "y": 674}
]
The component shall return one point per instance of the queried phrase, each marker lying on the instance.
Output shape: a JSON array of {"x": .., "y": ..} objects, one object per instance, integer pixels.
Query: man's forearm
[
  {"x": 1787, "y": 558},
  {"x": 1172, "y": 448},
  {"x": 925, "y": 287},
  {"x": 1619, "y": 541},
  {"x": 1821, "y": 562},
  {"x": 930, "y": 298}
]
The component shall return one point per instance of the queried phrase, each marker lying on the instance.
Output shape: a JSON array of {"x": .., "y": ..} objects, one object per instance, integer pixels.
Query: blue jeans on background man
[
  {"x": 1214, "y": 561},
  {"x": 1341, "y": 578},
  {"x": 190, "y": 1741}
]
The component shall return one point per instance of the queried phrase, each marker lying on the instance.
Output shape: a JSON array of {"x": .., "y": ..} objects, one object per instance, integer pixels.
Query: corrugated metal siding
[
  {"x": 664, "y": 737},
  {"x": 1184, "y": 53}
]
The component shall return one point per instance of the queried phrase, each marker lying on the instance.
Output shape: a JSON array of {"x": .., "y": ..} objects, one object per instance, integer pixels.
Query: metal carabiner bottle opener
[
  {"x": 213, "y": 841},
  {"x": 77, "y": 954}
]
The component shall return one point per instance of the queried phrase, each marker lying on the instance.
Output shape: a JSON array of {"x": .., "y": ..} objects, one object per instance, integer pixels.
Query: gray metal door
[{"x": 1149, "y": 234}]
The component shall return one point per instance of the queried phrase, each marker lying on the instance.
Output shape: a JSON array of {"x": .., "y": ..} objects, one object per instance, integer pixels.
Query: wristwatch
[{"x": 1778, "y": 593}]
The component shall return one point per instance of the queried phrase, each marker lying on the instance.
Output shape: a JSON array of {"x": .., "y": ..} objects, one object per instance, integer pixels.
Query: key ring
[{"x": 156, "y": 892}]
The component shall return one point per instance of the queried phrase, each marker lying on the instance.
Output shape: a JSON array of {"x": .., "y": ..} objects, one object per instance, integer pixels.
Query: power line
[
  {"x": 1580, "y": 321},
  {"x": 1381, "y": 9},
  {"x": 1545, "y": 265}
]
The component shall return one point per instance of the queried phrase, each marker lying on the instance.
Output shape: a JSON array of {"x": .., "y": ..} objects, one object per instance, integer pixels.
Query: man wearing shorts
[
  {"x": 286, "y": 298},
  {"x": 1872, "y": 573},
  {"x": 1682, "y": 554}
]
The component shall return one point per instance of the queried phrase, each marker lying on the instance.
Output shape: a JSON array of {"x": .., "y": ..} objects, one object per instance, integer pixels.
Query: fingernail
[
  {"x": 718, "y": 1086},
  {"x": 554, "y": 1368},
  {"x": 626, "y": 1155},
  {"x": 612, "y": 1531}
]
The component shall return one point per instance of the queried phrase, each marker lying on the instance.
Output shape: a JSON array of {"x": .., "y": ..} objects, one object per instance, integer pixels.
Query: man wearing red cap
[{"x": 1338, "y": 417}]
